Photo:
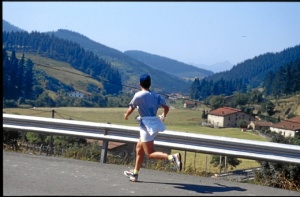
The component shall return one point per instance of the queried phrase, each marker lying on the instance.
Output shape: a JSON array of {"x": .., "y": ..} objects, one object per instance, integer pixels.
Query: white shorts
[
  {"x": 149, "y": 128},
  {"x": 145, "y": 136}
]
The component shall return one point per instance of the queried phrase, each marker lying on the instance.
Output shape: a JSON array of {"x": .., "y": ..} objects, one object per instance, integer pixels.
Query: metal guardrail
[{"x": 239, "y": 148}]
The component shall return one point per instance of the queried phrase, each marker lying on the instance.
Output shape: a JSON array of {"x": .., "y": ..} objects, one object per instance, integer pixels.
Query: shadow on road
[{"x": 200, "y": 188}]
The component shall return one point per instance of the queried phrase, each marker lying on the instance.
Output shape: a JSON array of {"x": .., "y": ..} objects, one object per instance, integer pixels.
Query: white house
[
  {"x": 227, "y": 117},
  {"x": 288, "y": 128},
  {"x": 77, "y": 94}
]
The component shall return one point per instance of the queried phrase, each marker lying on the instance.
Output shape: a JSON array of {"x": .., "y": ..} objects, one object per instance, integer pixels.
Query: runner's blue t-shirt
[{"x": 147, "y": 102}]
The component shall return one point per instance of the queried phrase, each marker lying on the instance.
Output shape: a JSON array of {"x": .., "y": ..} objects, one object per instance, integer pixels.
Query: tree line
[
  {"x": 18, "y": 78},
  {"x": 63, "y": 50},
  {"x": 22, "y": 86},
  {"x": 284, "y": 81},
  {"x": 253, "y": 71}
]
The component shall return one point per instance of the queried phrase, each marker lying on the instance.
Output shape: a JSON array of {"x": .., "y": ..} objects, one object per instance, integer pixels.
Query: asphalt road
[{"x": 34, "y": 175}]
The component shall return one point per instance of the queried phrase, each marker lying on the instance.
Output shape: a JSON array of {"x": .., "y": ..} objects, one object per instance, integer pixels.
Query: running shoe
[
  {"x": 176, "y": 159},
  {"x": 132, "y": 177}
]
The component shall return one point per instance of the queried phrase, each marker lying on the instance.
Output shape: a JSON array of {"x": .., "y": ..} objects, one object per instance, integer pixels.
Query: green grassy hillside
[
  {"x": 61, "y": 71},
  {"x": 288, "y": 105}
]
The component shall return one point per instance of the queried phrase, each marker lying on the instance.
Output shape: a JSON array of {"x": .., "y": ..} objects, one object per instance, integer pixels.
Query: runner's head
[{"x": 145, "y": 81}]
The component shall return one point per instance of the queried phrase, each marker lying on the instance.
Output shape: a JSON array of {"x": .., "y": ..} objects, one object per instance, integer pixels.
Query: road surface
[{"x": 35, "y": 175}]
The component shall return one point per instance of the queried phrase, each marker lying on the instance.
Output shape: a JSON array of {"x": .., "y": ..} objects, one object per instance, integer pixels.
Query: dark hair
[{"x": 145, "y": 81}]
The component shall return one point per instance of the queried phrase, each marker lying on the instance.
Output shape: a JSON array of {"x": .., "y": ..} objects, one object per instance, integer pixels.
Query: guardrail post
[
  {"x": 220, "y": 164},
  {"x": 104, "y": 149},
  {"x": 184, "y": 160},
  {"x": 51, "y": 137},
  {"x": 225, "y": 164}
]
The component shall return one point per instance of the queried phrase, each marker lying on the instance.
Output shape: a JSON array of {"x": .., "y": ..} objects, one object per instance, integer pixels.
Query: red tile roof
[
  {"x": 292, "y": 124},
  {"x": 295, "y": 119},
  {"x": 224, "y": 111},
  {"x": 262, "y": 123}
]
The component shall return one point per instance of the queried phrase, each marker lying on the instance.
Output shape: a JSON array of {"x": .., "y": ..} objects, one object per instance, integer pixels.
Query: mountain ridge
[
  {"x": 165, "y": 64},
  {"x": 251, "y": 71},
  {"x": 128, "y": 67}
]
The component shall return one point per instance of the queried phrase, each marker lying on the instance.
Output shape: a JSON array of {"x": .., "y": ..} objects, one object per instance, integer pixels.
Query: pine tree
[
  {"x": 28, "y": 80},
  {"x": 20, "y": 77}
]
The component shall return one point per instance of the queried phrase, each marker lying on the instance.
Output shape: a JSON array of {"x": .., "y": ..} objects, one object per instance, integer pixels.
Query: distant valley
[{"x": 217, "y": 67}]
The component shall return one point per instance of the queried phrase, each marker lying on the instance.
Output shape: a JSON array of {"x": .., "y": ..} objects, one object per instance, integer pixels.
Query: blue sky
[{"x": 190, "y": 32}]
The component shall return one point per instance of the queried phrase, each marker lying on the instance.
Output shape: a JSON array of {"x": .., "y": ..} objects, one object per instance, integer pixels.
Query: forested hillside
[
  {"x": 253, "y": 71},
  {"x": 65, "y": 51},
  {"x": 129, "y": 68},
  {"x": 169, "y": 65},
  {"x": 278, "y": 74}
]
